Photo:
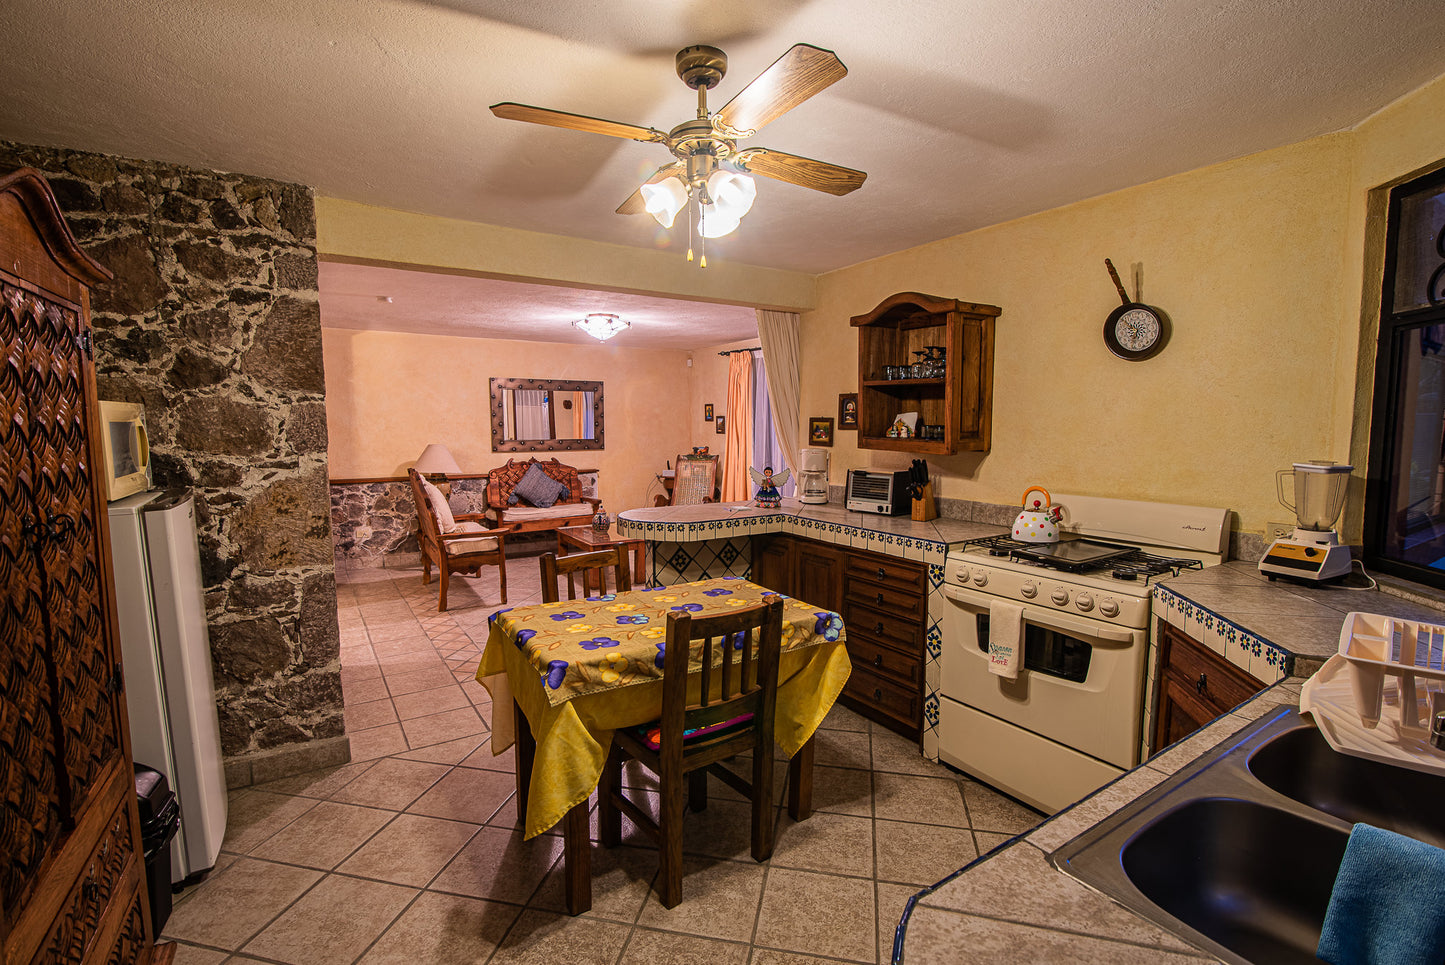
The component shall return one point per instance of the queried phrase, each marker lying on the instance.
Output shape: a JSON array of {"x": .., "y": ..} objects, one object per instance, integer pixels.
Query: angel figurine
[{"x": 768, "y": 496}]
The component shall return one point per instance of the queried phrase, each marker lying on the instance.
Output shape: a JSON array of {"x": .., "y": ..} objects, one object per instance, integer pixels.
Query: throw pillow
[
  {"x": 539, "y": 489},
  {"x": 439, "y": 507}
]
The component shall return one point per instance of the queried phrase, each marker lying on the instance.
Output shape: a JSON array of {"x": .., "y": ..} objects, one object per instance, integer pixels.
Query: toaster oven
[{"x": 884, "y": 493}]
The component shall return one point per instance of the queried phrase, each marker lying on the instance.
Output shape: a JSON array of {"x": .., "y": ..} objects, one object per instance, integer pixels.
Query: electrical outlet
[{"x": 1274, "y": 531}]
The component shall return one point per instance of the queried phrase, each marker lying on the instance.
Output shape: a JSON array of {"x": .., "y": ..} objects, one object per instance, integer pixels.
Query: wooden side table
[{"x": 585, "y": 539}]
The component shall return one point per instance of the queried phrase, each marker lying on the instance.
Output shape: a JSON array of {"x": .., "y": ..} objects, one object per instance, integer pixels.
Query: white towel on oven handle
[{"x": 1005, "y": 638}]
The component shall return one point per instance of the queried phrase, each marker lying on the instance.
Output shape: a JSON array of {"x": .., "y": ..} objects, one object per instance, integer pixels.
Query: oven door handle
[{"x": 1048, "y": 619}]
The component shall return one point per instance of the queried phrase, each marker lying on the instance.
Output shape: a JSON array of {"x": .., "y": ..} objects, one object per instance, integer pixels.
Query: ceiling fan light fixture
[
  {"x": 601, "y": 325},
  {"x": 718, "y": 222},
  {"x": 732, "y": 192},
  {"x": 665, "y": 199}
]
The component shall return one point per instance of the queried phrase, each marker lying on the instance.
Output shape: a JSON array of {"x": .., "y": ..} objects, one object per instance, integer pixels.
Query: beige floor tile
[
  {"x": 358, "y": 673},
  {"x": 466, "y": 794},
  {"x": 391, "y": 783},
  {"x": 544, "y": 938},
  {"x": 906, "y": 797},
  {"x": 769, "y": 956},
  {"x": 324, "y": 836},
  {"x": 424, "y": 703},
  {"x": 354, "y": 690},
  {"x": 372, "y": 713},
  {"x": 819, "y": 914},
  {"x": 842, "y": 748},
  {"x": 374, "y": 742},
  {"x": 411, "y": 850},
  {"x": 986, "y": 841},
  {"x": 843, "y": 789},
  {"x": 722, "y": 830},
  {"x": 231, "y": 906},
  {"x": 622, "y": 877},
  {"x": 253, "y": 815},
  {"x": 450, "y": 752},
  {"x": 412, "y": 681},
  {"x": 332, "y": 924},
  {"x": 899, "y": 755},
  {"x": 404, "y": 663},
  {"x": 443, "y": 727},
  {"x": 921, "y": 854},
  {"x": 484, "y": 758},
  {"x": 842, "y": 718},
  {"x": 834, "y": 843},
  {"x": 988, "y": 810},
  {"x": 892, "y": 899},
  {"x": 664, "y": 948},
  {"x": 935, "y": 936},
  {"x": 196, "y": 955},
  {"x": 707, "y": 885},
  {"x": 498, "y": 864},
  {"x": 318, "y": 783},
  {"x": 443, "y": 930}
]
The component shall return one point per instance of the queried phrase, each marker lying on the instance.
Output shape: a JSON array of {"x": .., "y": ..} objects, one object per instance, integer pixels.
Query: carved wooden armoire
[{"x": 72, "y": 888}]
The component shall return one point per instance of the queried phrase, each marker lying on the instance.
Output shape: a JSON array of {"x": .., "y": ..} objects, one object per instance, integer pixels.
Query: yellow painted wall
[
  {"x": 388, "y": 395},
  {"x": 1258, "y": 264}
]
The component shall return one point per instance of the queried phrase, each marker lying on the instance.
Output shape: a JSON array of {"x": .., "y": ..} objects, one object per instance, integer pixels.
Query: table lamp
[{"x": 436, "y": 460}]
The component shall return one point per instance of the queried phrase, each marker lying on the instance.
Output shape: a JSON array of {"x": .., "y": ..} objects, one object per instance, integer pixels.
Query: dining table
[{"x": 563, "y": 676}]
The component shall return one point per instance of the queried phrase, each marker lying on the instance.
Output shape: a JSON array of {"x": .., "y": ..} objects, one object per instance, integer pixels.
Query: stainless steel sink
[{"x": 1238, "y": 852}]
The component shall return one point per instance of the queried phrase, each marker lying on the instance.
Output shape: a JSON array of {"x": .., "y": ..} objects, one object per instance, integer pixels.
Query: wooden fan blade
[
  {"x": 634, "y": 203},
  {"x": 793, "y": 78},
  {"x": 576, "y": 122},
  {"x": 802, "y": 171}
]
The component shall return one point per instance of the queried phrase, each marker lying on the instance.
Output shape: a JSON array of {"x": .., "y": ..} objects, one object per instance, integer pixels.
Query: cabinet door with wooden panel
[
  {"x": 69, "y": 828},
  {"x": 773, "y": 562},
  {"x": 1195, "y": 685},
  {"x": 884, "y": 611}
]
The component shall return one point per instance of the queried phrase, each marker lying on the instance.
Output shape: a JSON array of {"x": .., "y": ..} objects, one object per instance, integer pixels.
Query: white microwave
[{"x": 127, "y": 449}]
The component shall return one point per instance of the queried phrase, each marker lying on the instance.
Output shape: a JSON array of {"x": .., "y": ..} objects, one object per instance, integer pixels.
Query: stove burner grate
[{"x": 1133, "y": 565}]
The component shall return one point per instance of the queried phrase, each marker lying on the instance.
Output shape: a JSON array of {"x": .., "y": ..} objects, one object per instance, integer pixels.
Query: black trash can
[{"x": 160, "y": 819}]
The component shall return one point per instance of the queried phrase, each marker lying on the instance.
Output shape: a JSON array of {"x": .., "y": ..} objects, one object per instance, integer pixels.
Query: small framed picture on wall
[
  {"x": 707, "y": 412},
  {"x": 820, "y": 431},
  {"x": 720, "y": 425},
  {"x": 848, "y": 410}
]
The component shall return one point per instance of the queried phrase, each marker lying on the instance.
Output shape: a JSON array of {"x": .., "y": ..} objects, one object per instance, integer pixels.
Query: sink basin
[
  {"x": 1300, "y": 765},
  {"x": 1238, "y": 852},
  {"x": 1253, "y": 878}
]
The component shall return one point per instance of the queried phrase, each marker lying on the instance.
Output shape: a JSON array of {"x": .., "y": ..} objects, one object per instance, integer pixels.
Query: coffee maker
[
  {"x": 1313, "y": 550},
  {"x": 813, "y": 476}
]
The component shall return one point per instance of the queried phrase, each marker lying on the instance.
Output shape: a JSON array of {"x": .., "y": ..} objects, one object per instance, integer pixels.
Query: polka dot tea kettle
[{"x": 1039, "y": 522}]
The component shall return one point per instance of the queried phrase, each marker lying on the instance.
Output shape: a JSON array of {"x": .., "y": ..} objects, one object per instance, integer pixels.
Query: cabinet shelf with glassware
[{"x": 949, "y": 344}]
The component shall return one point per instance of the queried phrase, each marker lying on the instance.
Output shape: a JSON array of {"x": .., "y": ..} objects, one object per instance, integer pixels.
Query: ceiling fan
[{"x": 709, "y": 168}]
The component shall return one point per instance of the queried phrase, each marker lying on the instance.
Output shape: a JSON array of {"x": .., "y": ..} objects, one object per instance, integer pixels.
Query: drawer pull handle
[
  {"x": 877, "y": 694},
  {"x": 878, "y": 660},
  {"x": 1201, "y": 684},
  {"x": 91, "y": 891},
  {"x": 880, "y": 599},
  {"x": 882, "y": 573},
  {"x": 879, "y": 627}
]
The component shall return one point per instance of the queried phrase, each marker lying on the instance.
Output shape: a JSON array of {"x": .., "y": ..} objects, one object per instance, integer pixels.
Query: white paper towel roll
[{"x": 1005, "y": 638}]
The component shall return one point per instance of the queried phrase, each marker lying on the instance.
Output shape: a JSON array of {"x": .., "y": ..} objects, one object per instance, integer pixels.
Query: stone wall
[{"x": 213, "y": 322}]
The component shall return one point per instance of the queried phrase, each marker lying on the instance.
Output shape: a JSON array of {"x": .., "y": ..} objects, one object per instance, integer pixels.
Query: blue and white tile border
[
  {"x": 1248, "y": 651},
  {"x": 929, "y": 552}
]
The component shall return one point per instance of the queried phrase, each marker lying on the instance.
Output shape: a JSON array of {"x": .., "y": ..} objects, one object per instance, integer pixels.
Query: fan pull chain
[
  {"x": 702, "y": 230},
  {"x": 689, "y": 230}
]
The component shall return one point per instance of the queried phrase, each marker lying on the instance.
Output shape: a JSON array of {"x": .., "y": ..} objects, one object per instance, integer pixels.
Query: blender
[
  {"x": 813, "y": 476},
  {"x": 1313, "y": 551}
]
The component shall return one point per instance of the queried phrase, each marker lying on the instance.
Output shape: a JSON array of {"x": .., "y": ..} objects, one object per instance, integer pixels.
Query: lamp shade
[
  {"x": 601, "y": 325},
  {"x": 664, "y": 199},
  {"x": 437, "y": 459}
]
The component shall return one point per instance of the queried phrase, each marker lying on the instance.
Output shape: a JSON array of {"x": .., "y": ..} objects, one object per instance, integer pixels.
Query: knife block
[{"x": 923, "y": 505}]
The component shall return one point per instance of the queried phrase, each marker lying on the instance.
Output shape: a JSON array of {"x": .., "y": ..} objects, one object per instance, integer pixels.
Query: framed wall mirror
[{"x": 546, "y": 415}]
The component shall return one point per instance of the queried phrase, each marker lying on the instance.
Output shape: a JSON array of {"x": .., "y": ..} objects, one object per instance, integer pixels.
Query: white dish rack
[{"x": 1384, "y": 663}]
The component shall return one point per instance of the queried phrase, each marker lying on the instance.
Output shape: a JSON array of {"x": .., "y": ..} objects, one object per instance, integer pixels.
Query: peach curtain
[
  {"x": 739, "y": 451},
  {"x": 778, "y": 331}
]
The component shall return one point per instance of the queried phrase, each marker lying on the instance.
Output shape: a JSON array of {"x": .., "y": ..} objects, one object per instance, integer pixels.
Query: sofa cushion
[
  {"x": 524, "y": 514},
  {"x": 483, "y": 544},
  {"x": 536, "y": 488},
  {"x": 502, "y": 480},
  {"x": 446, "y": 523}
]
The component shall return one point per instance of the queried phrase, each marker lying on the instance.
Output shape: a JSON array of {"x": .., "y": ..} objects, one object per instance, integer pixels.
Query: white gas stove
[{"x": 1068, "y": 720}]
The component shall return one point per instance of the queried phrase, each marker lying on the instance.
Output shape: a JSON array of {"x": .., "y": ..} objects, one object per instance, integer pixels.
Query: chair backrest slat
[
  {"x": 599, "y": 562},
  {"x": 739, "y": 691}
]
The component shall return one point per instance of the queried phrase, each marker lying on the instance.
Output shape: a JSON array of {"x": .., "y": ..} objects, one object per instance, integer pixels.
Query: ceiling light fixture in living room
[{"x": 601, "y": 325}]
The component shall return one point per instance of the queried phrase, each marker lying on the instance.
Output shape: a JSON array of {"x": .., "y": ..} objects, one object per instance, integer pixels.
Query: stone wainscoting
[{"x": 213, "y": 322}]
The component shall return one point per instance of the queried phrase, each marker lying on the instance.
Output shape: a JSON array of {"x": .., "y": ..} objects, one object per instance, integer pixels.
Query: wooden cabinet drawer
[
  {"x": 905, "y": 668},
  {"x": 895, "y": 574},
  {"x": 908, "y": 605},
  {"x": 1218, "y": 682},
  {"x": 109, "y": 873},
  {"x": 880, "y": 693},
  {"x": 888, "y": 629}
]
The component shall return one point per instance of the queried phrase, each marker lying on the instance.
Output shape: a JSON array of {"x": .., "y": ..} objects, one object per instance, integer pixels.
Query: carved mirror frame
[{"x": 544, "y": 445}]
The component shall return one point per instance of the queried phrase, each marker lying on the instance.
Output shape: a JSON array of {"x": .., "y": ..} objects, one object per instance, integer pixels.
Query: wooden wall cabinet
[
  {"x": 883, "y": 603},
  {"x": 1195, "y": 685},
  {"x": 961, "y": 401},
  {"x": 72, "y": 881}
]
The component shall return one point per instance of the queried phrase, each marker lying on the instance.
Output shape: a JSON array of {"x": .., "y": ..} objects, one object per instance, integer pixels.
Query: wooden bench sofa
[{"x": 572, "y": 509}]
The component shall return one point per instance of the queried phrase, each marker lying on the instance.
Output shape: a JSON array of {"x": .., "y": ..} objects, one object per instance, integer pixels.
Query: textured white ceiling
[{"x": 964, "y": 113}]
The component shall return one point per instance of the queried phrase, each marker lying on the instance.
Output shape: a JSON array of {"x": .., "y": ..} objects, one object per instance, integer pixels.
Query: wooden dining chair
[
  {"x": 732, "y": 714},
  {"x": 584, "y": 567},
  {"x": 455, "y": 544}
]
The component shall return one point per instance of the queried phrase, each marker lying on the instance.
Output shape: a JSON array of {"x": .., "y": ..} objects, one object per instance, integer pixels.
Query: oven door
[{"x": 1081, "y": 683}]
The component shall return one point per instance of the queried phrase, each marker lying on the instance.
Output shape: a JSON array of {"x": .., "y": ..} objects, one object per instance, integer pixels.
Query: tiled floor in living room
[{"x": 411, "y": 853}]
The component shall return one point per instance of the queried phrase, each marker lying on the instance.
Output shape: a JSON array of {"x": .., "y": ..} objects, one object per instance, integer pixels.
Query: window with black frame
[{"x": 1405, "y": 492}]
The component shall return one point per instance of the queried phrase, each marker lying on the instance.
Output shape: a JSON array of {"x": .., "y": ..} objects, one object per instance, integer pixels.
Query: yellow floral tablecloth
[{"x": 582, "y": 668}]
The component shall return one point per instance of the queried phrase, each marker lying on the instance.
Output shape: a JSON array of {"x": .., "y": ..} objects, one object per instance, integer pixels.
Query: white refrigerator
[{"x": 166, "y": 652}]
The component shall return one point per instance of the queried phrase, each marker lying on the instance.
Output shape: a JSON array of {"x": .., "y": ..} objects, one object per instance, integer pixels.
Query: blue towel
[{"x": 1388, "y": 904}]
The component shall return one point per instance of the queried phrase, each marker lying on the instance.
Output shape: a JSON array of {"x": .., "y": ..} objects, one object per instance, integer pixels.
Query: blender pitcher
[{"x": 1319, "y": 492}]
